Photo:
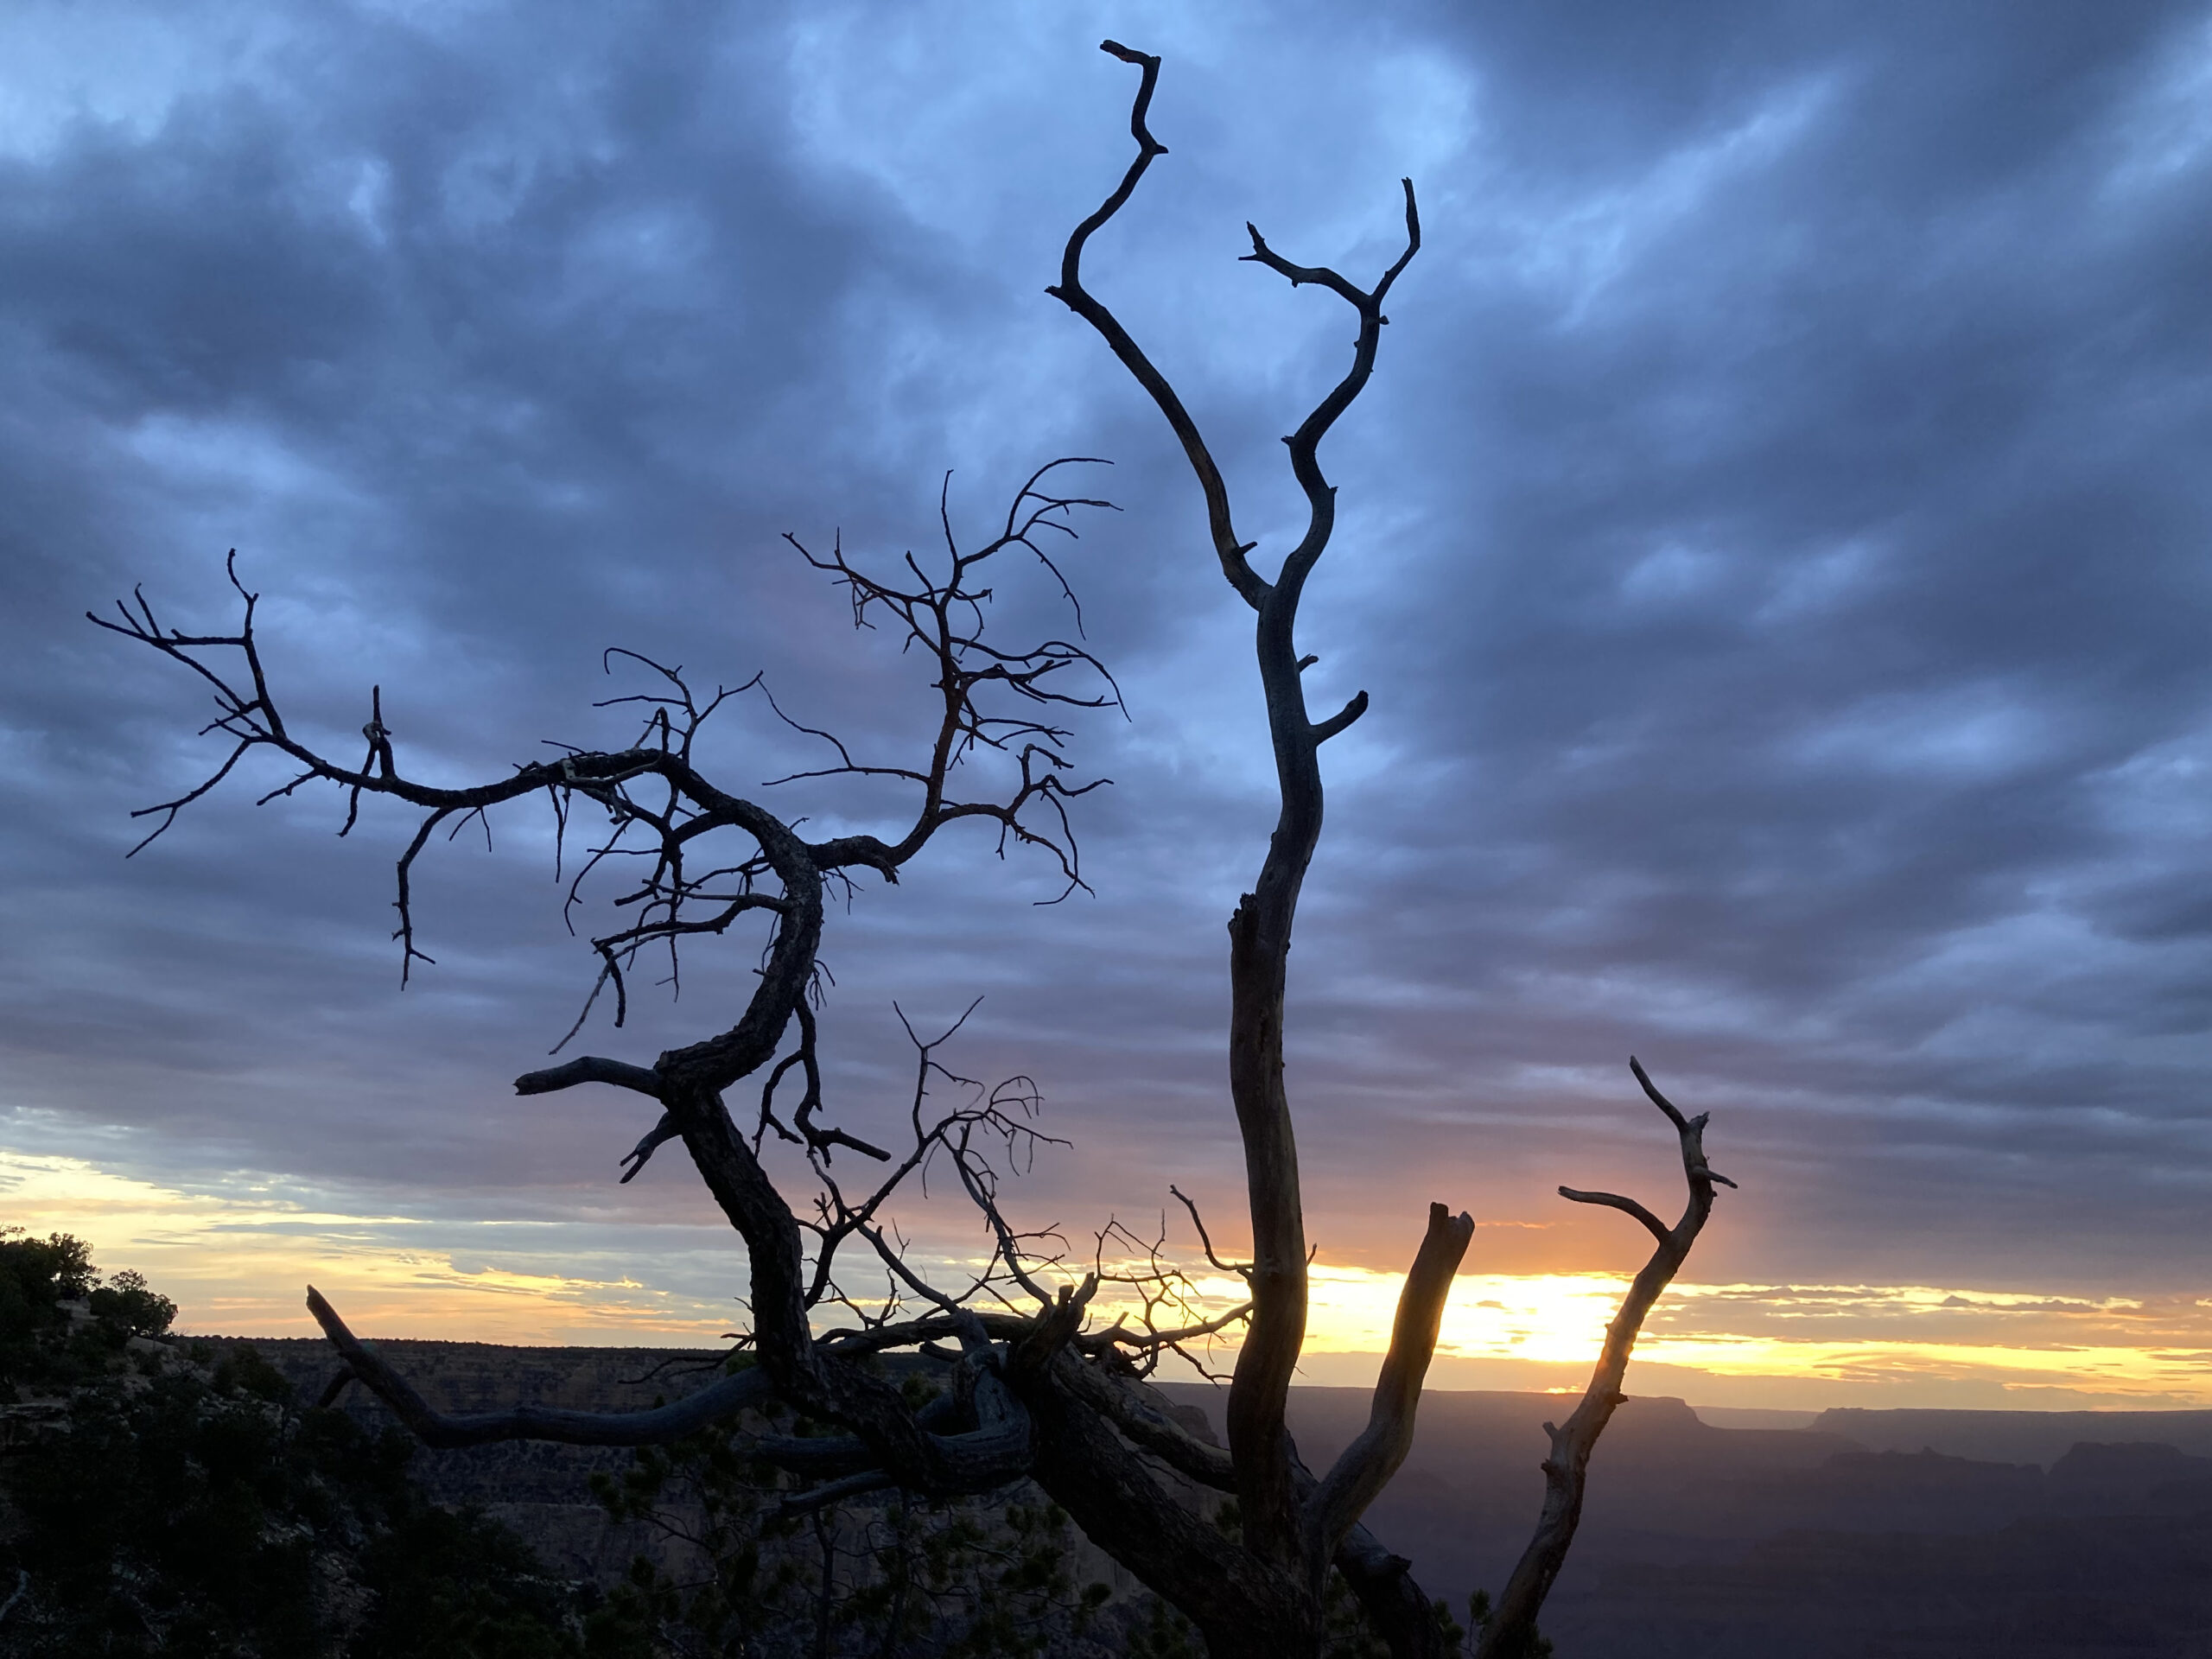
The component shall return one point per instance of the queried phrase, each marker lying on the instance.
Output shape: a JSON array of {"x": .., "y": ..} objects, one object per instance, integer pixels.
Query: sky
[{"x": 1774, "y": 544}]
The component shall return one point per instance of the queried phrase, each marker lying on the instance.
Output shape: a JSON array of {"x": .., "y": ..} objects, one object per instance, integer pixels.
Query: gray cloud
[{"x": 1775, "y": 543}]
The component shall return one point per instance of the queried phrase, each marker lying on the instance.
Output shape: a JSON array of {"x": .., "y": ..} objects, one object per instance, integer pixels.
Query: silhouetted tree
[{"x": 1038, "y": 1389}]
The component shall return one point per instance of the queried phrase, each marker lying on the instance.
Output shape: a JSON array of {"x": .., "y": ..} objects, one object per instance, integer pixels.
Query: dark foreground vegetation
[
  {"x": 168, "y": 1497},
  {"x": 156, "y": 1499},
  {"x": 190, "y": 1496}
]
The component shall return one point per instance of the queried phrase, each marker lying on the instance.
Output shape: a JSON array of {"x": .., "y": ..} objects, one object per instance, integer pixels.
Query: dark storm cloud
[
  {"x": 1775, "y": 541},
  {"x": 1827, "y": 678}
]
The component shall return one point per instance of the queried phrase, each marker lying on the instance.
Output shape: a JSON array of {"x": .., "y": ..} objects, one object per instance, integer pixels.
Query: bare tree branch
[
  {"x": 1204, "y": 1240},
  {"x": 1071, "y": 292},
  {"x": 1365, "y": 1467},
  {"x": 1511, "y": 1631},
  {"x": 1260, "y": 931},
  {"x": 717, "y": 1400},
  {"x": 590, "y": 1068},
  {"x": 1658, "y": 1229}
]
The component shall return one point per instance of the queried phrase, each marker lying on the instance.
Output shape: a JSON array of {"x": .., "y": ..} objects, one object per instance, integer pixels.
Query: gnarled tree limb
[{"x": 718, "y": 1401}]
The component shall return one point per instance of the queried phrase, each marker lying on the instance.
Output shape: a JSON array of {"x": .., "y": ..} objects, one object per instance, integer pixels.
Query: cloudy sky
[{"x": 1777, "y": 543}]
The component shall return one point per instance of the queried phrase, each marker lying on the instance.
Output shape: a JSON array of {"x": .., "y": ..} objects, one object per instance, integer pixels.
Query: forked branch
[
  {"x": 1511, "y": 1631},
  {"x": 1260, "y": 931}
]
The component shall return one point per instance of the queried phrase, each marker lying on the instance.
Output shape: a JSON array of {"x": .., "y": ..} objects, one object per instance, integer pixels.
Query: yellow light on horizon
[
  {"x": 238, "y": 1263},
  {"x": 236, "y": 1256}
]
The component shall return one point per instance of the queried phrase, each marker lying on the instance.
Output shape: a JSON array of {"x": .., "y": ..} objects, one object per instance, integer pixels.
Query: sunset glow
[{"x": 236, "y": 1260}]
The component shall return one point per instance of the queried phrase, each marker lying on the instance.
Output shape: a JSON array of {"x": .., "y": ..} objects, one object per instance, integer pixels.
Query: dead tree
[{"x": 1040, "y": 1389}]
